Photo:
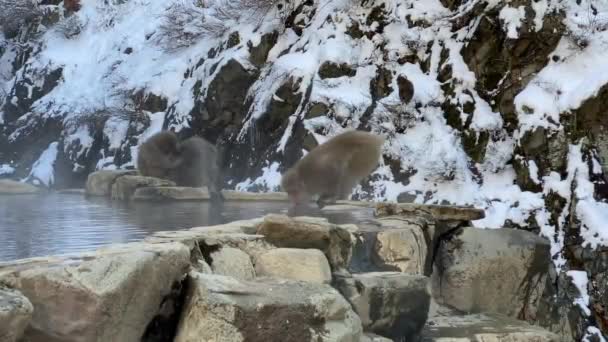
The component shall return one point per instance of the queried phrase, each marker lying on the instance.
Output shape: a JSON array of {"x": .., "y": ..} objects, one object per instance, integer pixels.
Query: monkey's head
[
  {"x": 292, "y": 184},
  {"x": 169, "y": 145}
]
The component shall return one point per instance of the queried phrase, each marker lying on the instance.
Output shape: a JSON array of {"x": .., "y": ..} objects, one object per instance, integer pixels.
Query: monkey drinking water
[
  {"x": 199, "y": 166},
  {"x": 332, "y": 169}
]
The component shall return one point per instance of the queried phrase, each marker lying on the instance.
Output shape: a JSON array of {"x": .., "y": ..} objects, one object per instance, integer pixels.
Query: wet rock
[
  {"x": 483, "y": 327},
  {"x": 222, "y": 308},
  {"x": 306, "y": 232},
  {"x": 172, "y": 193},
  {"x": 484, "y": 270},
  {"x": 402, "y": 246},
  {"x": 438, "y": 212},
  {"x": 231, "y": 195},
  {"x": 10, "y": 187},
  {"x": 391, "y": 304},
  {"x": 333, "y": 70},
  {"x": 108, "y": 295},
  {"x": 124, "y": 187},
  {"x": 15, "y": 314},
  {"x": 99, "y": 183},
  {"x": 292, "y": 263},
  {"x": 232, "y": 262},
  {"x": 259, "y": 53}
]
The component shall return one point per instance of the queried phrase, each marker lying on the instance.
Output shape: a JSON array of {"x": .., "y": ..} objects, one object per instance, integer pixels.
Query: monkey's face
[
  {"x": 170, "y": 147},
  {"x": 294, "y": 187}
]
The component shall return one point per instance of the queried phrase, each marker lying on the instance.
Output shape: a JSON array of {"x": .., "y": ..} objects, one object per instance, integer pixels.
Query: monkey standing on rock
[
  {"x": 192, "y": 162},
  {"x": 332, "y": 169}
]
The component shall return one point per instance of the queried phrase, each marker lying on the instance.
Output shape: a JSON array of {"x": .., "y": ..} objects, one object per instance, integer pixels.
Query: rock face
[
  {"x": 10, "y": 187},
  {"x": 232, "y": 262},
  {"x": 484, "y": 327},
  {"x": 501, "y": 271},
  {"x": 124, "y": 187},
  {"x": 303, "y": 232},
  {"x": 99, "y": 183},
  {"x": 403, "y": 247},
  {"x": 171, "y": 193},
  {"x": 391, "y": 304},
  {"x": 15, "y": 314},
  {"x": 109, "y": 295},
  {"x": 224, "y": 309},
  {"x": 293, "y": 263}
]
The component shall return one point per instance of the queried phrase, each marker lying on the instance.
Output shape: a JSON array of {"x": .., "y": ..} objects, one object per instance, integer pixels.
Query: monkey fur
[
  {"x": 159, "y": 155},
  {"x": 332, "y": 169},
  {"x": 192, "y": 162},
  {"x": 199, "y": 166}
]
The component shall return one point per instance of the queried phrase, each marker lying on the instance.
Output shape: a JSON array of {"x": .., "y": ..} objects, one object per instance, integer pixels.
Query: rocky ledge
[{"x": 409, "y": 274}]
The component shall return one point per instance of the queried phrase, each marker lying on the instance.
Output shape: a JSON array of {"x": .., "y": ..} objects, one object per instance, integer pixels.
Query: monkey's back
[
  {"x": 199, "y": 163},
  {"x": 151, "y": 160},
  {"x": 355, "y": 151}
]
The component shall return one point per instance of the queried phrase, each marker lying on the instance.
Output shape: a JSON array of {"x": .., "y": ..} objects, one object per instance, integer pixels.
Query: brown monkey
[
  {"x": 332, "y": 169},
  {"x": 159, "y": 155},
  {"x": 199, "y": 166}
]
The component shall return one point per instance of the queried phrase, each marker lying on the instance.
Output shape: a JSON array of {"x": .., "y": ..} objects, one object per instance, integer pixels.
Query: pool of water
[{"x": 38, "y": 225}]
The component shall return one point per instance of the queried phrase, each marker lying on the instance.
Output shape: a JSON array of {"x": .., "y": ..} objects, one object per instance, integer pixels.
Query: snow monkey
[
  {"x": 332, "y": 169},
  {"x": 199, "y": 166},
  {"x": 158, "y": 155},
  {"x": 192, "y": 162}
]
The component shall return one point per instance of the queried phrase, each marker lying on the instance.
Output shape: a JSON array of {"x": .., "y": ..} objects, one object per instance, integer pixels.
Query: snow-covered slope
[{"x": 492, "y": 103}]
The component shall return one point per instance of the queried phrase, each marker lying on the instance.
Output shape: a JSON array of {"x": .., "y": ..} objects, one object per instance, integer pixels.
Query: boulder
[
  {"x": 438, "y": 212},
  {"x": 391, "y": 304},
  {"x": 483, "y": 327},
  {"x": 15, "y": 314},
  {"x": 220, "y": 308},
  {"x": 108, "y": 295},
  {"x": 171, "y": 193},
  {"x": 308, "y": 232},
  {"x": 99, "y": 183},
  {"x": 232, "y": 195},
  {"x": 293, "y": 263},
  {"x": 124, "y": 187},
  {"x": 232, "y": 262},
  {"x": 492, "y": 270},
  {"x": 402, "y": 246},
  {"x": 11, "y": 187}
]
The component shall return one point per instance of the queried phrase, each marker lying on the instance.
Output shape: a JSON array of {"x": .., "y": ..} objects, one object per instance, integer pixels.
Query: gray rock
[
  {"x": 221, "y": 308},
  {"x": 171, "y": 193},
  {"x": 11, "y": 187},
  {"x": 306, "y": 232},
  {"x": 124, "y": 187},
  {"x": 15, "y": 314},
  {"x": 492, "y": 270},
  {"x": 99, "y": 183},
  {"x": 483, "y": 327},
  {"x": 108, "y": 295},
  {"x": 232, "y": 262},
  {"x": 371, "y": 337},
  {"x": 293, "y": 263},
  {"x": 438, "y": 212},
  {"x": 231, "y": 195},
  {"x": 403, "y": 245},
  {"x": 391, "y": 304}
]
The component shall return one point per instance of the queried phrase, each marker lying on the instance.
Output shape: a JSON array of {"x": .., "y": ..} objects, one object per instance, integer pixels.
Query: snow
[
  {"x": 269, "y": 181},
  {"x": 6, "y": 169},
  {"x": 43, "y": 171},
  {"x": 512, "y": 18},
  {"x": 580, "y": 280}
]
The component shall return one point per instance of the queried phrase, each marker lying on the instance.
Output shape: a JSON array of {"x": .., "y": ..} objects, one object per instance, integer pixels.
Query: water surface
[{"x": 38, "y": 225}]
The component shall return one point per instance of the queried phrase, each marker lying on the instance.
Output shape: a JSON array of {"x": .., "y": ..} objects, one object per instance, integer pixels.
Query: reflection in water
[{"x": 38, "y": 225}]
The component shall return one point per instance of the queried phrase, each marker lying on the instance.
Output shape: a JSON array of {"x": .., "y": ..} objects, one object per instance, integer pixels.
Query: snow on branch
[{"x": 187, "y": 21}]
